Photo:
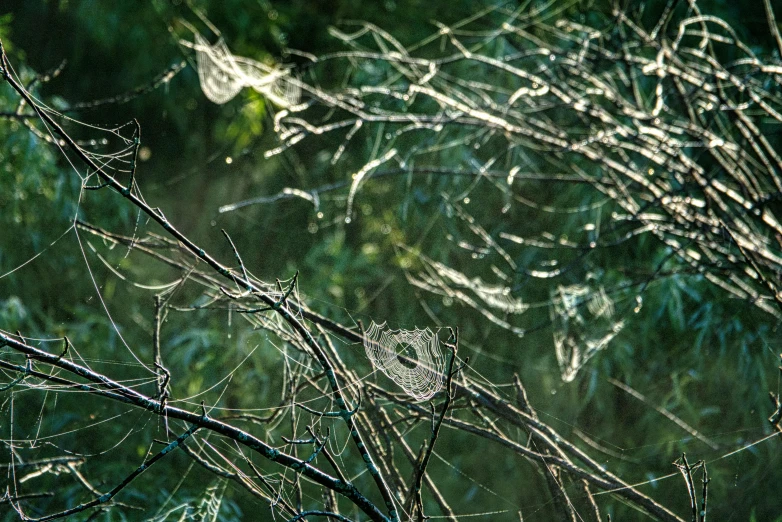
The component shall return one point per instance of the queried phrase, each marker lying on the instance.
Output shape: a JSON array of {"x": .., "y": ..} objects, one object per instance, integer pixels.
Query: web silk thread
[{"x": 420, "y": 373}]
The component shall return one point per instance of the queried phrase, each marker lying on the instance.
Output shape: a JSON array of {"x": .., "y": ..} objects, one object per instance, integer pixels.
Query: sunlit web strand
[
  {"x": 105, "y": 306},
  {"x": 223, "y": 75}
]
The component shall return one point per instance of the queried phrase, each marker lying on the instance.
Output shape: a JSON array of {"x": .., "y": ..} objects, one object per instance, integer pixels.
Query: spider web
[
  {"x": 574, "y": 310},
  {"x": 410, "y": 358},
  {"x": 581, "y": 331},
  {"x": 223, "y": 75},
  {"x": 43, "y": 438}
]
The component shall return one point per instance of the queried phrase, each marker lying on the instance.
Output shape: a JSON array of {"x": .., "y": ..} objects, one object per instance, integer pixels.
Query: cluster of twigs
[
  {"x": 668, "y": 129},
  {"x": 673, "y": 125},
  {"x": 370, "y": 423}
]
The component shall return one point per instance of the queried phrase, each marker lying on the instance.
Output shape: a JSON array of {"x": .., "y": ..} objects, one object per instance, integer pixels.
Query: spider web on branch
[
  {"x": 489, "y": 300},
  {"x": 60, "y": 422},
  {"x": 583, "y": 324},
  {"x": 410, "y": 358},
  {"x": 223, "y": 75}
]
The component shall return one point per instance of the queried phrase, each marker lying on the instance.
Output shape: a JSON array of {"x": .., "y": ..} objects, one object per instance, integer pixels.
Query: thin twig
[
  {"x": 667, "y": 414},
  {"x": 108, "y": 496}
]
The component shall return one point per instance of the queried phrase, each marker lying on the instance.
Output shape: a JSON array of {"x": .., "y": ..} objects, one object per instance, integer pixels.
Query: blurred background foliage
[{"x": 709, "y": 359}]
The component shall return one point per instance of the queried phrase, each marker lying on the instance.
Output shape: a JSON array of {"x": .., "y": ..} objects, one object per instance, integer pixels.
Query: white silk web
[
  {"x": 583, "y": 323},
  {"x": 410, "y": 358},
  {"x": 222, "y": 75},
  {"x": 494, "y": 296}
]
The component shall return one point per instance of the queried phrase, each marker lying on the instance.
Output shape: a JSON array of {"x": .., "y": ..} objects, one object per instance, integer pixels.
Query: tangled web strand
[
  {"x": 579, "y": 334},
  {"x": 222, "y": 75},
  {"x": 410, "y": 358}
]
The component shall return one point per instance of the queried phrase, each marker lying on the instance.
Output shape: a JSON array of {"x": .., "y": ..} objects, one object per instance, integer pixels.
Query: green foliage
[{"x": 688, "y": 347}]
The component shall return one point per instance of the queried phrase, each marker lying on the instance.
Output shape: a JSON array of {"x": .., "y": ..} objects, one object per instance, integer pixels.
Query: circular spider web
[{"x": 410, "y": 358}]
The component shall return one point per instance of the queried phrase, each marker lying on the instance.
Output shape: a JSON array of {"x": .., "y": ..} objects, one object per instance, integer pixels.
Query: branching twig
[{"x": 106, "y": 497}]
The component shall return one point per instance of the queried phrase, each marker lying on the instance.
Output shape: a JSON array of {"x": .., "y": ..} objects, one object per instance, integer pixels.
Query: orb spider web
[{"x": 410, "y": 358}]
